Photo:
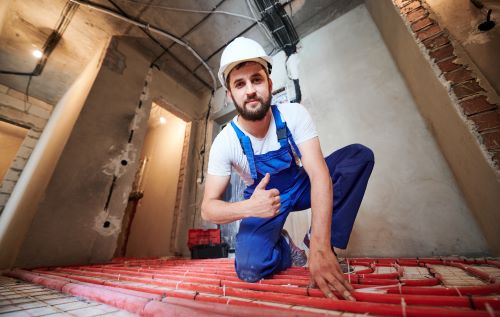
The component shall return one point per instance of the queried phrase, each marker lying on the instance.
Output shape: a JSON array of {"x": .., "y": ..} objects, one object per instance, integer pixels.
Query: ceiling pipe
[{"x": 153, "y": 29}]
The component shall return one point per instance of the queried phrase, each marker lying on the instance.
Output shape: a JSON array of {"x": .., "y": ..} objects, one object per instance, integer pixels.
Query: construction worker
[{"x": 263, "y": 144}]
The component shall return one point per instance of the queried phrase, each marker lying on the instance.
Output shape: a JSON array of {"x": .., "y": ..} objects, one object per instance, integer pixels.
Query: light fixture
[
  {"x": 163, "y": 120},
  {"x": 37, "y": 53}
]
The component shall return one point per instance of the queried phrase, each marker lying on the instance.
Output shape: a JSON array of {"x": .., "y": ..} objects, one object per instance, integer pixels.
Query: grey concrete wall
[
  {"x": 355, "y": 93},
  {"x": 69, "y": 224},
  {"x": 22, "y": 205},
  {"x": 476, "y": 178},
  {"x": 153, "y": 221}
]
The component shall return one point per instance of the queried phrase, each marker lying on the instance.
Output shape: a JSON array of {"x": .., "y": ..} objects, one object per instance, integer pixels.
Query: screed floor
[{"x": 160, "y": 287}]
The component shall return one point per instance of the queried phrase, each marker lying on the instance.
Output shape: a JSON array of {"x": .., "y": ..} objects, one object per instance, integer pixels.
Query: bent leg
[
  {"x": 261, "y": 250},
  {"x": 350, "y": 168}
]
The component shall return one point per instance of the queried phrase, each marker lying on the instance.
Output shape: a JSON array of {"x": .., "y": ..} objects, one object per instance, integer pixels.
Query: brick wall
[
  {"x": 33, "y": 114},
  {"x": 464, "y": 87}
]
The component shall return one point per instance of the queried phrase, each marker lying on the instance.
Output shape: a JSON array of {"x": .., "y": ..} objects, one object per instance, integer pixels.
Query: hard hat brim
[{"x": 265, "y": 61}]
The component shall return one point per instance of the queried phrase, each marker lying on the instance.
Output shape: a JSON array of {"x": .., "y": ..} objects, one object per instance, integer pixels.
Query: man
[{"x": 263, "y": 144}]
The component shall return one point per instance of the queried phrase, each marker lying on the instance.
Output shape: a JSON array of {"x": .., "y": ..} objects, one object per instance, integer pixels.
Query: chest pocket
[{"x": 274, "y": 162}]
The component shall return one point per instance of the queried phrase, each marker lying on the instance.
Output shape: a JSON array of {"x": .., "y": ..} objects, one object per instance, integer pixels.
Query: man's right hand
[{"x": 265, "y": 203}]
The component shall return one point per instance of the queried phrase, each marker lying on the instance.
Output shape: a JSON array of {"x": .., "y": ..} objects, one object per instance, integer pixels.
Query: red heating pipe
[
  {"x": 430, "y": 300},
  {"x": 320, "y": 304}
]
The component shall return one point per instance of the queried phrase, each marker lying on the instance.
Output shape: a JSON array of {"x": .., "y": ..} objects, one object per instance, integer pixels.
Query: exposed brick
[
  {"x": 486, "y": 120},
  {"x": 496, "y": 159},
  {"x": 39, "y": 112},
  {"x": 3, "y": 199},
  {"x": 459, "y": 76},
  {"x": 436, "y": 42},
  {"x": 442, "y": 53},
  {"x": 476, "y": 105},
  {"x": 492, "y": 140},
  {"x": 12, "y": 175},
  {"x": 410, "y": 7},
  {"x": 448, "y": 65},
  {"x": 30, "y": 142},
  {"x": 34, "y": 134},
  {"x": 24, "y": 152},
  {"x": 16, "y": 94},
  {"x": 401, "y": 3},
  {"x": 420, "y": 24},
  {"x": 19, "y": 163},
  {"x": 468, "y": 88},
  {"x": 41, "y": 104},
  {"x": 417, "y": 15},
  {"x": 12, "y": 102},
  {"x": 7, "y": 186},
  {"x": 428, "y": 32}
]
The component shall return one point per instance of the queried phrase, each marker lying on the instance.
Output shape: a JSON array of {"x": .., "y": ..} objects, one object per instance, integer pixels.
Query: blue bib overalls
[{"x": 260, "y": 248}]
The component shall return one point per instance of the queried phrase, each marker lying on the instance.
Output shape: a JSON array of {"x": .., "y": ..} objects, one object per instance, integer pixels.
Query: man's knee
[
  {"x": 249, "y": 270},
  {"x": 363, "y": 152}
]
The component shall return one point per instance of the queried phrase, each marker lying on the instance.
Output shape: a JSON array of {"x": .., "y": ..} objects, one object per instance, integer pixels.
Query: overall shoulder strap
[
  {"x": 282, "y": 131},
  {"x": 246, "y": 146}
]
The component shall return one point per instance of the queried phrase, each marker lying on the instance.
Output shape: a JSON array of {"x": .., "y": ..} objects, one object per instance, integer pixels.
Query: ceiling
[{"x": 27, "y": 24}]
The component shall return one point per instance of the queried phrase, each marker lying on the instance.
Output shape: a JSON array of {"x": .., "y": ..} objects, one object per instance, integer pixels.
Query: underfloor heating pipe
[
  {"x": 373, "y": 298},
  {"x": 141, "y": 305},
  {"x": 419, "y": 300}
]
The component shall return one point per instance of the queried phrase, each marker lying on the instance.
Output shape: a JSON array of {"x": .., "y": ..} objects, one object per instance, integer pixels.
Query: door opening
[{"x": 150, "y": 214}]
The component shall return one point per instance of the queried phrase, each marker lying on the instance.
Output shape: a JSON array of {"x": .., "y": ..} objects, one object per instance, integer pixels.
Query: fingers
[
  {"x": 263, "y": 182},
  {"x": 323, "y": 286},
  {"x": 329, "y": 283},
  {"x": 274, "y": 192}
]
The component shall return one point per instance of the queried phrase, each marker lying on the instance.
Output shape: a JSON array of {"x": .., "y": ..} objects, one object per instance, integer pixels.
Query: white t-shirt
[{"x": 226, "y": 152}]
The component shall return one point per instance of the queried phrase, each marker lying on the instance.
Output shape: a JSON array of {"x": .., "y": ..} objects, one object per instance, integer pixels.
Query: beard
[{"x": 253, "y": 115}]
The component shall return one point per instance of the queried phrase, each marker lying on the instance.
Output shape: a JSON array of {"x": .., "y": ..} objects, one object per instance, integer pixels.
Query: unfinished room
[{"x": 250, "y": 158}]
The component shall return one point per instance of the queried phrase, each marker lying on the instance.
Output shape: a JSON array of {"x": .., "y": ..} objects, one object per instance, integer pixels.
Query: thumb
[{"x": 263, "y": 182}]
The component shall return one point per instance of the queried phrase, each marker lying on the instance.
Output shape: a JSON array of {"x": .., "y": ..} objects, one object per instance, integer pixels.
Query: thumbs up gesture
[{"x": 264, "y": 203}]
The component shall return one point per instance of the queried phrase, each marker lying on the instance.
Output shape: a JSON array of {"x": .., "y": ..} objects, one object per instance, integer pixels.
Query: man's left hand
[{"x": 327, "y": 274}]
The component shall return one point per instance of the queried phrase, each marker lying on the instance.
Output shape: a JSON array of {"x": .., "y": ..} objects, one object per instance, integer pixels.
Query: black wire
[
  {"x": 203, "y": 148},
  {"x": 26, "y": 94},
  {"x": 50, "y": 44},
  {"x": 148, "y": 34}
]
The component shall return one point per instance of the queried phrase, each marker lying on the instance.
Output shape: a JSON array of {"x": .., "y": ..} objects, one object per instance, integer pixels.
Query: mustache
[{"x": 254, "y": 99}]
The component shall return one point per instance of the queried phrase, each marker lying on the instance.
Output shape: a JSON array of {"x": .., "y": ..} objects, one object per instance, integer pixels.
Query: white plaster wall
[{"x": 355, "y": 94}]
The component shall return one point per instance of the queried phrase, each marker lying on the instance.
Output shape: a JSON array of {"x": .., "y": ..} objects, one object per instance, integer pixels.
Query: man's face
[{"x": 250, "y": 90}]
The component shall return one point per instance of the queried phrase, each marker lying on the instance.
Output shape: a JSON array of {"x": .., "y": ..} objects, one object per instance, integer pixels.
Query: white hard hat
[{"x": 242, "y": 49}]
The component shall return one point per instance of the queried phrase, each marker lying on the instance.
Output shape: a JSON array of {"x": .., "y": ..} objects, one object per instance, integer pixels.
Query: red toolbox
[{"x": 203, "y": 237}]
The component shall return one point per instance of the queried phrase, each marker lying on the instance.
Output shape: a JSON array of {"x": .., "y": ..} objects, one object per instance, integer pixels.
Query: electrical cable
[
  {"x": 266, "y": 32},
  {"x": 203, "y": 148},
  {"x": 165, "y": 49},
  {"x": 191, "y": 29},
  {"x": 50, "y": 44},
  {"x": 154, "y": 29},
  {"x": 166, "y": 8}
]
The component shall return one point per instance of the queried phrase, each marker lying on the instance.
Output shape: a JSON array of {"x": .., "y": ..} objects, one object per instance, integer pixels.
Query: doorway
[
  {"x": 11, "y": 138},
  {"x": 150, "y": 215}
]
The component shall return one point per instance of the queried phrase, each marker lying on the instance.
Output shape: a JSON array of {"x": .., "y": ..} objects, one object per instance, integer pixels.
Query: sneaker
[
  {"x": 299, "y": 257},
  {"x": 342, "y": 261}
]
